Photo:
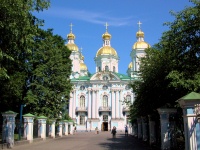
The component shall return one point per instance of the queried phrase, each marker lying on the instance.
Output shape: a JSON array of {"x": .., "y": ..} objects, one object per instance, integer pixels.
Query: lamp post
[
  {"x": 197, "y": 111},
  {"x": 20, "y": 122}
]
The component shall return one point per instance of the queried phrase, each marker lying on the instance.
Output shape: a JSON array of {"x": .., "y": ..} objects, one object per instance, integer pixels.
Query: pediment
[{"x": 105, "y": 76}]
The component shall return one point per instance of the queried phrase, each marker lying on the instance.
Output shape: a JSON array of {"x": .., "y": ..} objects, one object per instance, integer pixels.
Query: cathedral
[{"x": 98, "y": 100}]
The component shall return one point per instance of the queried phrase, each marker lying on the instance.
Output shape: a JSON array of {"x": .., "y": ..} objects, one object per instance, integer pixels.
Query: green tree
[
  {"x": 50, "y": 85},
  {"x": 18, "y": 28}
]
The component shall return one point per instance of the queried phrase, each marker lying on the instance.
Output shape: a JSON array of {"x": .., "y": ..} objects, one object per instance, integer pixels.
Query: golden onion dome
[
  {"x": 106, "y": 36},
  {"x": 140, "y": 34},
  {"x": 83, "y": 66},
  {"x": 141, "y": 45},
  {"x": 70, "y": 36},
  {"x": 106, "y": 50},
  {"x": 130, "y": 65},
  {"x": 72, "y": 47}
]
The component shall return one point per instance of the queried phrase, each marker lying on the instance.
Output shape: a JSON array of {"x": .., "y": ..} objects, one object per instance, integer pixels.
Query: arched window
[
  {"x": 113, "y": 68},
  {"x": 106, "y": 68},
  {"x": 82, "y": 101},
  {"x": 105, "y": 101}
]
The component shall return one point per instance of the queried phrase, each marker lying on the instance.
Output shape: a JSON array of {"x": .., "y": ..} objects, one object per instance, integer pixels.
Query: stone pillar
[
  {"x": 42, "y": 127},
  {"x": 28, "y": 127},
  {"x": 97, "y": 105},
  {"x": 65, "y": 123},
  {"x": 120, "y": 104},
  {"x": 8, "y": 127},
  {"x": 70, "y": 127},
  {"x": 152, "y": 132},
  {"x": 60, "y": 132},
  {"x": 139, "y": 128},
  {"x": 113, "y": 105},
  {"x": 135, "y": 133},
  {"x": 74, "y": 105},
  {"x": 93, "y": 104},
  {"x": 89, "y": 103},
  {"x": 144, "y": 129},
  {"x": 71, "y": 104},
  {"x": 52, "y": 128},
  {"x": 117, "y": 104},
  {"x": 165, "y": 127}
]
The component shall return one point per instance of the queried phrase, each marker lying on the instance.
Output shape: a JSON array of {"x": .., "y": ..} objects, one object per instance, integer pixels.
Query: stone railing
[
  {"x": 105, "y": 108},
  {"x": 81, "y": 109}
]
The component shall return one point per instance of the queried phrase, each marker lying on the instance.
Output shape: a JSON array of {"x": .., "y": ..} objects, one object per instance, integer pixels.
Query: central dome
[
  {"x": 72, "y": 47},
  {"x": 106, "y": 50}
]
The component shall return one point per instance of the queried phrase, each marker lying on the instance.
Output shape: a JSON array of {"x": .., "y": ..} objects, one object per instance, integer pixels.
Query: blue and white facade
[{"x": 98, "y": 100}]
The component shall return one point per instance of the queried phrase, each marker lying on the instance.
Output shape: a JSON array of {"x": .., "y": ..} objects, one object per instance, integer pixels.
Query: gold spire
[
  {"x": 71, "y": 36},
  {"x": 139, "y": 33},
  {"x": 106, "y": 35}
]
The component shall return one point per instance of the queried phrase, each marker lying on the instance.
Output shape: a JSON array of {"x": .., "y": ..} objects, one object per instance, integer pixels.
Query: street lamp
[
  {"x": 197, "y": 111},
  {"x": 20, "y": 122}
]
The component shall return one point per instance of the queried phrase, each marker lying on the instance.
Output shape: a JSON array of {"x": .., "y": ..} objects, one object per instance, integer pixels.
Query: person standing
[
  {"x": 126, "y": 130},
  {"x": 113, "y": 132}
]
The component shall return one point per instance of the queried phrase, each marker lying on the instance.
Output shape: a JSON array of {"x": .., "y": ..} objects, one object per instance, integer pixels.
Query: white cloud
[{"x": 87, "y": 16}]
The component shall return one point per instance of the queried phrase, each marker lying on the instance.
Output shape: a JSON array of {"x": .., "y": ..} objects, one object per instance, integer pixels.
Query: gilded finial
[
  {"x": 139, "y": 23},
  {"x": 71, "y": 25}
]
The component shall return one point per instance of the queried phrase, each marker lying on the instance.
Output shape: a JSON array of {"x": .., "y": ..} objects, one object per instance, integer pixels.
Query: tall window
[
  {"x": 105, "y": 101},
  {"x": 113, "y": 68},
  {"x": 106, "y": 68},
  {"x": 82, "y": 120},
  {"x": 82, "y": 101}
]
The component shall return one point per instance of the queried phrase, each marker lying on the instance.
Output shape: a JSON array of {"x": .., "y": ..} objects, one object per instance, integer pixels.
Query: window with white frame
[
  {"x": 82, "y": 101},
  {"x": 82, "y": 120},
  {"x": 105, "y": 101}
]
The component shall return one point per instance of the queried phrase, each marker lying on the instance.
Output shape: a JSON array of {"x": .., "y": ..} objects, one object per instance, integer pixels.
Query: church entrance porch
[{"x": 104, "y": 126}]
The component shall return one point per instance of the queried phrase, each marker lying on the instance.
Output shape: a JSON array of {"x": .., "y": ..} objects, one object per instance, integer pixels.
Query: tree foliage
[
  {"x": 34, "y": 64},
  {"x": 170, "y": 69}
]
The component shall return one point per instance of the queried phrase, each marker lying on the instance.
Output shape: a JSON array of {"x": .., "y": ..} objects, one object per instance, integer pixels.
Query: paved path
[{"x": 87, "y": 141}]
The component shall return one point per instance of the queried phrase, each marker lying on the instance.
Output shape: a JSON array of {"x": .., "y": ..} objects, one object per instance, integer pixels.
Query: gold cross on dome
[
  {"x": 139, "y": 23},
  {"x": 71, "y": 25},
  {"x": 106, "y": 26}
]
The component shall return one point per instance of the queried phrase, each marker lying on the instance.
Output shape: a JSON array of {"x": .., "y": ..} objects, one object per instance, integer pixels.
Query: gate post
[
  {"x": 8, "y": 127},
  {"x": 42, "y": 127},
  {"x": 164, "y": 123},
  {"x": 65, "y": 123},
  {"x": 28, "y": 127},
  {"x": 60, "y": 128},
  {"x": 139, "y": 128},
  {"x": 52, "y": 128},
  {"x": 152, "y": 136}
]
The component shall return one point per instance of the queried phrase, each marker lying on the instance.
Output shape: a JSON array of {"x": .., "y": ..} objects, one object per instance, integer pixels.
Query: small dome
[
  {"x": 72, "y": 47},
  {"x": 70, "y": 36},
  {"x": 130, "y": 65},
  {"x": 83, "y": 66},
  {"x": 141, "y": 45},
  {"x": 140, "y": 34},
  {"x": 106, "y": 36},
  {"x": 106, "y": 50}
]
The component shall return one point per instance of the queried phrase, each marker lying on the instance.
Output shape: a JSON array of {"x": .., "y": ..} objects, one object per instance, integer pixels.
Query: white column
[
  {"x": 93, "y": 104},
  {"x": 97, "y": 104},
  {"x": 89, "y": 104},
  {"x": 117, "y": 104},
  {"x": 120, "y": 104},
  {"x": 70, "y": 104},
  {"x": 28, "y": 127},
  {"x": 74, "y": 105},
  {"x": 113, "y": 105}
]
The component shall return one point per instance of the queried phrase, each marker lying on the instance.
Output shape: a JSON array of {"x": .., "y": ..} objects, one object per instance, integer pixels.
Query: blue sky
[{"x": 89, "y": 17}]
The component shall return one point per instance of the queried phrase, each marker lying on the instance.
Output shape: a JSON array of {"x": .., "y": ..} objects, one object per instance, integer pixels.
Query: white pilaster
[
  {"x": 117, "y": 104},
  {"x": 74, "y": 105},
  {"x": 113, "y": 105},
  {"x": 70, "y": 104},
  {"x": 93, "y": 104},
  {"x": 97, "y": 104},
  {"x": 89, "y": 103}
]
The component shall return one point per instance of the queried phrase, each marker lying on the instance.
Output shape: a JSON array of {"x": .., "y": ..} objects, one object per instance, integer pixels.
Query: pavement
[{"x": 87, "y": 141}]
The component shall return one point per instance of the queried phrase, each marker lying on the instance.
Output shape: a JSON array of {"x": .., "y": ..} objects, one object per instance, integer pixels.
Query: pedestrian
[
  {"x": 126, "y": 130},
  {"x": 113, "y": 132},
  {"x": 74, "y": 129}
]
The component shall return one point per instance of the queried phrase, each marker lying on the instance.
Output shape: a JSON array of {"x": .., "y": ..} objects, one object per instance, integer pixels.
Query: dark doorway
[{"x": 105, "y": 126}]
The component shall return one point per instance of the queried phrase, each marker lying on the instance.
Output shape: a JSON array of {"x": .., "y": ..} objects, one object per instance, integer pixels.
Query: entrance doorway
[{"x": 105, "y": 126}]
